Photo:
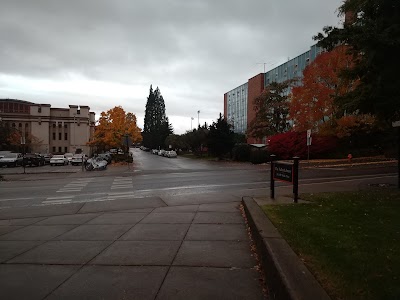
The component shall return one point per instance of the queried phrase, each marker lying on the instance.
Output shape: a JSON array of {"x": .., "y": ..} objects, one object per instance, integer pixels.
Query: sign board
[
  {"x": 309, "y": 140},
  {"x": 308, "y": 133},
  {"x": 396, "y": 124},
  {"x": 283, "y": 171}
]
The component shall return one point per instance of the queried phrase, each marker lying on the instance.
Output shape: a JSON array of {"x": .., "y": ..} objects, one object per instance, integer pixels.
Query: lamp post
[
  {"x": 198, "y": 118},
  {"x": 191, "y": 123}
]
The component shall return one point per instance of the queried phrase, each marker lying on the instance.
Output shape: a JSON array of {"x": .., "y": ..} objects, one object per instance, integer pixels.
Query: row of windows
[
  {"x": 60, "y": 136},
  {"x": 60, "y": 149}
]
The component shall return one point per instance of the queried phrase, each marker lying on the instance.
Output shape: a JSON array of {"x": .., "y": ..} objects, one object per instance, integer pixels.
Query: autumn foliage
[
  {"x": 289, "y": 144},
  {"x": 112, "y": 126},
  {"x": 313, "y": 101}
]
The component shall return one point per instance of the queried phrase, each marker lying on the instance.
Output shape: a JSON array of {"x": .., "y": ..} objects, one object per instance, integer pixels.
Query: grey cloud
[{"x": 195, "y": 49}]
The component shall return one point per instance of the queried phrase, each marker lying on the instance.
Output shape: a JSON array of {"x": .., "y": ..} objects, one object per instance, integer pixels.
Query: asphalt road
[{"x": 173, "y": 179}]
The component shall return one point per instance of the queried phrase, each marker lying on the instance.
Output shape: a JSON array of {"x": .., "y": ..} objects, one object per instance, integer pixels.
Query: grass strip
[{"x": 350, "y": 241}]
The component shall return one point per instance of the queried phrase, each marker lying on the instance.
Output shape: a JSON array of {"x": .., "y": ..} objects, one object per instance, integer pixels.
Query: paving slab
[
  {"x": 138, "y": 210},
  {"x": 201, "y": 198},
  {"x": 156, "y": 232},
  {"x": 77, "y": 219},
  {"x": 219, "y": 218},
  {"x": 112, "y": 282},
  {"x": 39, "y": 211},
  {"x": 21, "y": 222},
  {"x": 95, "y": 233},
  {"x": 169, "y": 218},
  {"x": 31, "y": 281},
  {"x": 141, "y": 253},
  {"x": 215, "y": 254},
  {"x": 122, "y": 204},
  {"x": 210, "y": 283},
  {"x": 220, "y": 207},
  {"x": 217, "y": 232},
  {"x": 62, "y": 253},
  {"x": 10, "y": 249},
  {"x": 7, "y": 229},
  {"x": 118, "y": 218},
  {"x": 176, "y": 209},
  {"x": 37, "y": 233}
]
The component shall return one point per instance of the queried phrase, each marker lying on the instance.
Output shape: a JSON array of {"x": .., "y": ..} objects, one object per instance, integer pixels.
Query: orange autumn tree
[
  {"x": 313, "y": 102},
  {"x": 113, "y": 126}
]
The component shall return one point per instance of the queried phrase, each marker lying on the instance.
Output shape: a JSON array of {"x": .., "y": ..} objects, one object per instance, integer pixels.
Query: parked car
[
  {"x": 58, "y": 160},
  {"x": 33, "y": 159},
  {"x": 78, "y": 159},
  {"x": 105, "y": 156},
  {"x": 69, "y": 156},
  {"x": 161, "y": 152},
  {"x": 171, "y": 154},
  {"x": 154, "y": 151},
  {"x": 47, "y": 157},
  {"x": 2, "y": 153},
  {"x": 11, "y": 160}
]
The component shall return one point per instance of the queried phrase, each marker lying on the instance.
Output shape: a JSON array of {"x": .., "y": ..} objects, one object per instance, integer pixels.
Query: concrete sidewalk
[{"x": 136, "y": 249}]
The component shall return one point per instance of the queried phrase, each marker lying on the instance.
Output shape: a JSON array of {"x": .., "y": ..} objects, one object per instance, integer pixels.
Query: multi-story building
[
  {"x": 239, "y": 102},
  {"x": 55, "y": 130}
]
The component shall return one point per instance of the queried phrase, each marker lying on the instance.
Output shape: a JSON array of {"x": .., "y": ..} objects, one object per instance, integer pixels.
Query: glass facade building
[
  {"x": 238, "y": 102},
  {"x": 236, "y": 114}
]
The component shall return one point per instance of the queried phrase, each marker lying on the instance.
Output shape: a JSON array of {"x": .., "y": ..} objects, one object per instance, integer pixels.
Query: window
[
  {"x": 20, "y": 125},
  {"x": 59, "y": 149},
  {"x": 54, "y": 137},
  {"x": 54, "y": 149},
  {"x": 66, "y": 136},
  {"x": 65, "y": 126},
  {"x": 78, "y": 112},
  {"x": 65, "y": 149},
  {"x": 59, "y": 125},
  {"x": 13, "y": 125},
  {"x": 59, "y": 136},
  {"x": 54, "y": 125},
  {"x": 26, "y": 125},
  {"x": 39, "y": 110}
]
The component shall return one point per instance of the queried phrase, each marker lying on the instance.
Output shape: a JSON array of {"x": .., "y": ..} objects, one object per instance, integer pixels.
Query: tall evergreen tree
[
  {"x": 221, "y": 137},
  {"x": 156, "y": 123}
]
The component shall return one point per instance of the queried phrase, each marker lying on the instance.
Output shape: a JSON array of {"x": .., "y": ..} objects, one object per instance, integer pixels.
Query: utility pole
[
  {"x": 198, "y": 118},
  {"x": 191, "y": 123}
]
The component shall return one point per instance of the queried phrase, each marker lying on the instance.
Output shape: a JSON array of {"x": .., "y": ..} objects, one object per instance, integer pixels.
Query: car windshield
[{"x": 10, "y": 155}]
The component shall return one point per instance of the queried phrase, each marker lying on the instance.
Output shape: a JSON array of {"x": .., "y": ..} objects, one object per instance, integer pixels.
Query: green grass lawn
[{"x": 349, "y": 241}]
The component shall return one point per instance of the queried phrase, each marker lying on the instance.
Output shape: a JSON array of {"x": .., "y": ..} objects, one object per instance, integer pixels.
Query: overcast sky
[{"x": 104, "y": 53}]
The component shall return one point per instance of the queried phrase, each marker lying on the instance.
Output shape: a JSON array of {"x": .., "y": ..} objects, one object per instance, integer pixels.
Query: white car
[
  {"x": 69, "y": 156},
  {"x": 78, "y": 159},
  {"x": 171, "y": 153},
  {"x": 58, "y": 160}
]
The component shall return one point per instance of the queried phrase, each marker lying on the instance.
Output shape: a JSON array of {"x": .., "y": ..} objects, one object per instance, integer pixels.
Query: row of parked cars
[
  {"x": 10, "y": 159},
  {"x": 164, "y": 153}
]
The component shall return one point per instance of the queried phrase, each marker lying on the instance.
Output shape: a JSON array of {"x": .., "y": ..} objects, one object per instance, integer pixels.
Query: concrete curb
[{"x": 286, "y": 275}]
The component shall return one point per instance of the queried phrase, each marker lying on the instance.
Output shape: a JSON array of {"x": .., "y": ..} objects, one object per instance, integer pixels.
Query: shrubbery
[
  {"x": 259, "y": 156},
  {"x": 241, "y": 152},
  {"x": 289, "y": 144}
]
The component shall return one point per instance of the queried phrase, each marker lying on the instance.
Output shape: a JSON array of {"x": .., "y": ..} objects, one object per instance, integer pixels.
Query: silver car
[{"x": 58, "y": 160}]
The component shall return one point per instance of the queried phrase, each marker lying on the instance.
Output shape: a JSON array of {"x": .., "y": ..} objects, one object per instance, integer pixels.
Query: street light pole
[{"x": 198, "y": 118}]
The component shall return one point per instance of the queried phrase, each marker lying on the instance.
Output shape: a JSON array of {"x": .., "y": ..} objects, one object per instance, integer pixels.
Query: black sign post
[
  {"x": 286, "y": 172},
  {"x": 295, "y": 179},
  {"x": 272, "y": 185}
]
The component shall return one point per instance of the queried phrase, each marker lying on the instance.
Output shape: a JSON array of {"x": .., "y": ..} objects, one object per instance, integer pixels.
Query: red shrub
[{"x": 289, "y": 144}]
